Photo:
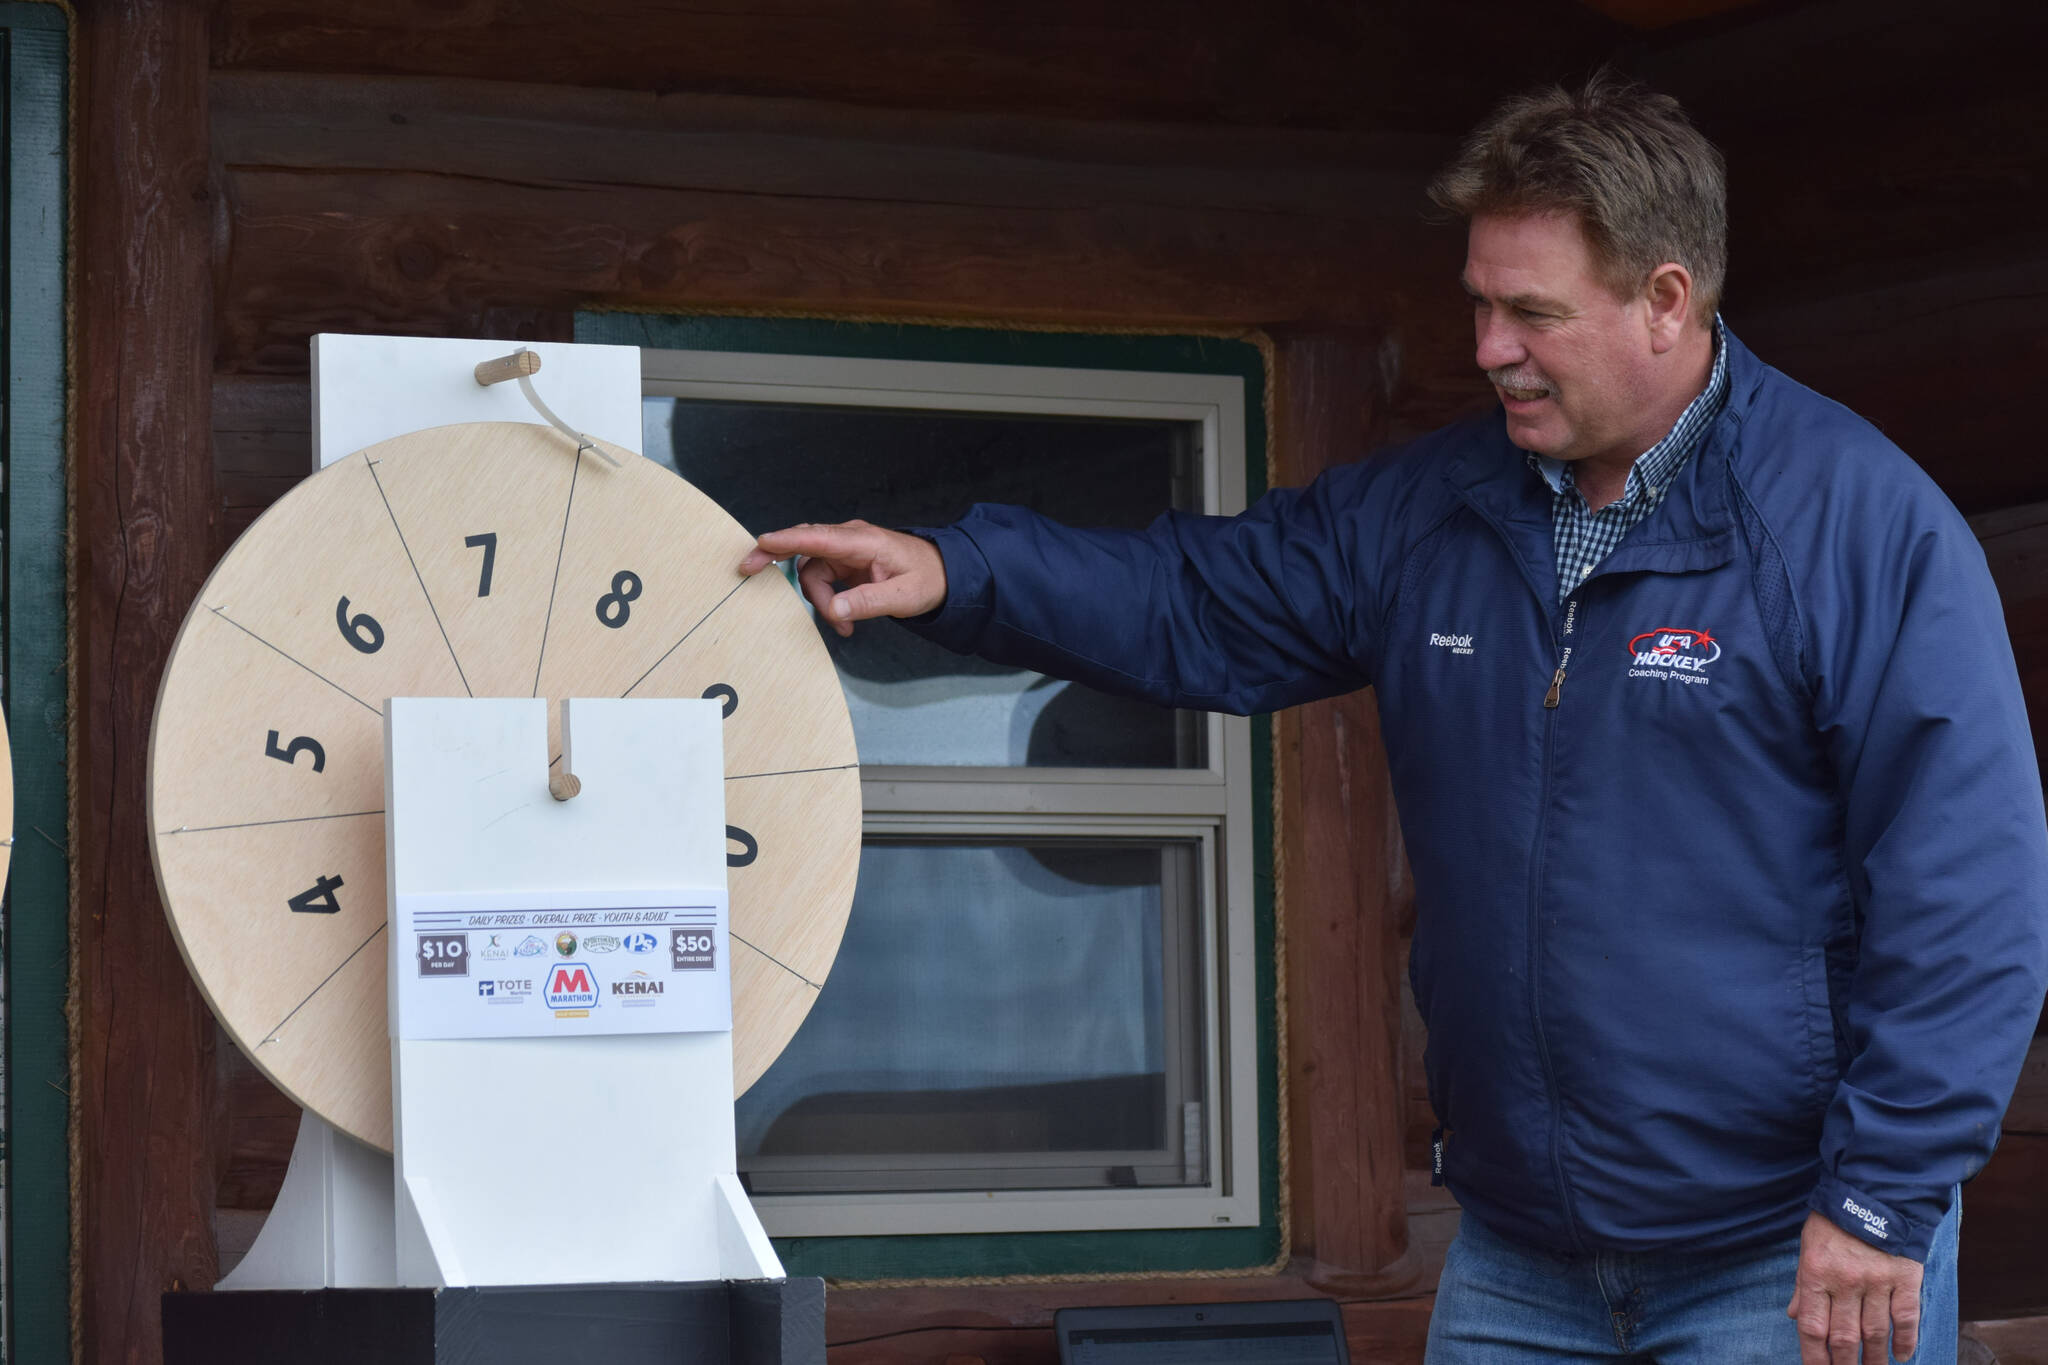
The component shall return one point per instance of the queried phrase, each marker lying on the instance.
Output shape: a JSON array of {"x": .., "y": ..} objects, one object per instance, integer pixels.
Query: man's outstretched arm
[{"x": 1275, "y": 606}]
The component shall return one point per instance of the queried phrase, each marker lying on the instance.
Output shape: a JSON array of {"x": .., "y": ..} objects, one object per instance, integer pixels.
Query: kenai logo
[
  {"x": 1872, "y": 1224},
  {"x": 1457, "y": 644}
]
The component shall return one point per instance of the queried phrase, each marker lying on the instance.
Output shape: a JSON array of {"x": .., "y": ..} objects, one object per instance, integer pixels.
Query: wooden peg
[
  {"x": 515, "y": 366},
  {"x": 562, "y": 786}
]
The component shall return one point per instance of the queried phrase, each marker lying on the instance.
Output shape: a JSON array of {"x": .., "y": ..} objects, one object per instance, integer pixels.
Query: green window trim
[
  {"x": 1096, "y": 1253},
  {"x": 34, "y": 39}
]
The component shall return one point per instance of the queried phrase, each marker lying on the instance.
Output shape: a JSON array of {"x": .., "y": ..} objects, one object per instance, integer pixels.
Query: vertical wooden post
[
  {"x": 1345, "y": 877},
  {"x": 144, "y": 506}
]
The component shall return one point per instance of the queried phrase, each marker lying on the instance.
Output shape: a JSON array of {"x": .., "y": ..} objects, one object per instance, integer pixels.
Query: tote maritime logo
[
  {"x": 1671, "y": 653},
  {"x": 572, "y": 990}
]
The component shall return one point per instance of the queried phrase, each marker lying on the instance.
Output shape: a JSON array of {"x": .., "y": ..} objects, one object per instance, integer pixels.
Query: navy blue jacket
[{"x": 1751, "y": 920}]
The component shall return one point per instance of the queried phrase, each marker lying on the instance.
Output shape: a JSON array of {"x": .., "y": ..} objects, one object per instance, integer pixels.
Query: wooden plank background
[
  {"x": 145, "y": 511},
  {"x": 251, "y": 171}
]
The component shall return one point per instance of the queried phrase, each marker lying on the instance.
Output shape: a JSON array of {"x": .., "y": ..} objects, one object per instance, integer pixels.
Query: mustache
[{"x": 1523, "y": 377}]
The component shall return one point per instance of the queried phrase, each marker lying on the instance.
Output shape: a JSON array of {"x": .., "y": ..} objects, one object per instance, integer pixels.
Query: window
[{"x": 1048, "y": 1011}]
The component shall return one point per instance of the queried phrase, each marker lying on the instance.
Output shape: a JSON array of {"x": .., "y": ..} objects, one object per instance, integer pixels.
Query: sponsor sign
[{"x": 561, "y": 963}]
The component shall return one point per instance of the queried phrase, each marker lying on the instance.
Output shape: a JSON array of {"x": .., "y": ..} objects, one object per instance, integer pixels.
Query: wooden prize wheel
[{"x": 489, "y": 560}]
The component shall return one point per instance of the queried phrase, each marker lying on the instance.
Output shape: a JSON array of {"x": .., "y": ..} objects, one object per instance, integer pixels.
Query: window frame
[
  {"x": 1211, "y": 804},
  {"x": 35, "y": 43}
]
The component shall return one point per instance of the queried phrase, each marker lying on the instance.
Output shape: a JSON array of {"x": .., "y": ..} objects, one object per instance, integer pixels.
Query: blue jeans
[{"x": 1501, "y": 1303}]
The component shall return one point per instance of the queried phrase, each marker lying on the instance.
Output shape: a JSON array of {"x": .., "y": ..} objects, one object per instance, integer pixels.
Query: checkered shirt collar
[{"x": 1654, "y": 469}]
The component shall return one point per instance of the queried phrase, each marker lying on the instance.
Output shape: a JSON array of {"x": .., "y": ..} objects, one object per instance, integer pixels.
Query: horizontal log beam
[
  {"x": 565, "y": 135},
  {"x": 1322, "y": 63},
  {"x": 439, "y": 255},
  {"x": 1938, "y": 361},
  {"x": 1780, "y": 65}
]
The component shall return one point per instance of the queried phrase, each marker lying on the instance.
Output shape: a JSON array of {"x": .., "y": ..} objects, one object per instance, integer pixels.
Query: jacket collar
[{"x": 1692, "y": 529}]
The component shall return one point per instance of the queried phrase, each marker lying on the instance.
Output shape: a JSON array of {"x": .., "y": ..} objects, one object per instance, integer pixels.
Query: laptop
[{"x": 1288, "y": 1332}]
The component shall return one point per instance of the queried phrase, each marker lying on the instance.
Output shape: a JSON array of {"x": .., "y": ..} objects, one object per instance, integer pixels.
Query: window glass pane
[
  {"x": 771, "y": 465},
  {"x": 1001, "y": 1014}
]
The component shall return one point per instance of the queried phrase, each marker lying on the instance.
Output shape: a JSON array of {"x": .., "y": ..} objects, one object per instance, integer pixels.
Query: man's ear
[{"x": 1668, "y": 295}]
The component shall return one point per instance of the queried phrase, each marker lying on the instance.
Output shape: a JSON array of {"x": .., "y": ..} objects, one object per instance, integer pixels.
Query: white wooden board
[
  {"x": 368, "y": 389},
  {"x": 486, "y": 1124}
]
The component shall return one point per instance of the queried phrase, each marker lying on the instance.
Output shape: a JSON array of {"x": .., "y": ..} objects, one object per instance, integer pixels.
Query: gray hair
[{"x": 1644, "y": 184}]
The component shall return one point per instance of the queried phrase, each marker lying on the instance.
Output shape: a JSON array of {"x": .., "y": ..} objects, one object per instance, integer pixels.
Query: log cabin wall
[{"x": 257, "y": 170}]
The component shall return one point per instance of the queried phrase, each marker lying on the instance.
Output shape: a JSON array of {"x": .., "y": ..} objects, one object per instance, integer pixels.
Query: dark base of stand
[{"x": 744, "y": 1322}]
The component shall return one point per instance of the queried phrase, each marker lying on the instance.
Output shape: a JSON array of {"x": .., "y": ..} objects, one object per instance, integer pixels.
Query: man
[{"x": 1727, "y": 834}]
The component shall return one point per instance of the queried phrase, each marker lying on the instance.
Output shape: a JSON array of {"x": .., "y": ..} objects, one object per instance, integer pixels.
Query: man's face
[{"x": 1568, "y": 357}]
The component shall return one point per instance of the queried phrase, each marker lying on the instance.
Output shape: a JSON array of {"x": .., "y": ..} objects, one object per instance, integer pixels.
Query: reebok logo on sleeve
[{"x": 1872, "y": 1224}]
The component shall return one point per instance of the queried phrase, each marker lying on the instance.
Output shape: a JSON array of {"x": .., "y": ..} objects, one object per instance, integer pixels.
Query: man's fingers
[
  {"x": 1905, "y": 1316},
  {"x": 1845, "y": 1328},
  {"x": 890, "y": 597},
  {"x": 853, "y": 542},
  {"x": 1877, "y": 1325},
  {"x": 1810, "y": 1309},
  {"x": 815, "y": 578},
  {"x": 892, "y": 574}
]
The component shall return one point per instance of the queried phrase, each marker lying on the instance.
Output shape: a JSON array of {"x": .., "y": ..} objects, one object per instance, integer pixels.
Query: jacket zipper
[
  {"x": 1564, "y": 657},
  {"x": 1567, "y": 629}
]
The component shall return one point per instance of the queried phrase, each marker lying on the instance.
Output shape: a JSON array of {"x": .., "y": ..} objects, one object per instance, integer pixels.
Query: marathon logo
[{"x": 1872, "y": 1224}]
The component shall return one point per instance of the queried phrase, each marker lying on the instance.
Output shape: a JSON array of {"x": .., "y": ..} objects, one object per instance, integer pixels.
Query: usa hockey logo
[{"x": 1671, "y": 654}]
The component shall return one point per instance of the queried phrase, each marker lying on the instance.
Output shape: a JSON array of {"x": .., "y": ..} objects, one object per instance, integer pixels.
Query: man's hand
[
  {"x": 1850, "y": 1294},
  {"x": 889, "y": 573}
]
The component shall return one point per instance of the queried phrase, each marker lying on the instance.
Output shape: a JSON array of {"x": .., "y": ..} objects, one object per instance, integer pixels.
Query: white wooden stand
[
  {"x": 560, "y": 1159},
  {"x": 337, "y": 1221},
  {"x": 332, "y": 1224}
]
